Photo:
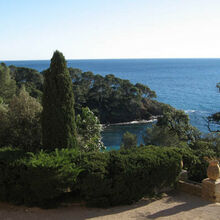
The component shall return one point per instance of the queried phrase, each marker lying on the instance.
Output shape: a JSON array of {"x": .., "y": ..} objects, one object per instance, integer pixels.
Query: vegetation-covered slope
[{"x": 111, "y": 99}]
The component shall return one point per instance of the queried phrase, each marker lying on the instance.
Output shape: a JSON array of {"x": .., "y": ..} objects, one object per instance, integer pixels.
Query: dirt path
[{"x": 175, "y": 206}]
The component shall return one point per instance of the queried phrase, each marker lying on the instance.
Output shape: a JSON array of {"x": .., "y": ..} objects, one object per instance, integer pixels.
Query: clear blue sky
[{"x": 84, "y": 29}]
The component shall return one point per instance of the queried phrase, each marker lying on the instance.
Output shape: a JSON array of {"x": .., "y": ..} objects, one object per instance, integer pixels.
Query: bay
[{"x": 187, "y": 84}]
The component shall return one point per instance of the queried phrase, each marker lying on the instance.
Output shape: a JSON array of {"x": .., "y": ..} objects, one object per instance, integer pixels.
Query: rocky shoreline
[{"x": 152, "y": 119}]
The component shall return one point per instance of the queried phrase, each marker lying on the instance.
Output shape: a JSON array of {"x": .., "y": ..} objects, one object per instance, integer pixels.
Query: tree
[
  {"x": 214, "y": 119},
  {"x": 112, "y": 99},
  {"x": 145, "y": 91},
  {"x": 3, "y": 121},
  {"x": 129, "y": 140},
  {"x": 212, "y": 141},
  {"x": 172, "y": 129},
  {"x": 161, "y": 136},
  {"x": 89, "y": 131},
  {"x": 7, "y": 85},
  {"x": 58, "y": 117},
  {"x": 31, "y": 78},
  {"x": 20, "y": 126}
]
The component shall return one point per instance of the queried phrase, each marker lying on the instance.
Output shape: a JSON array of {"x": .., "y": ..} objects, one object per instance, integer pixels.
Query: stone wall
[
  {"x": 190, "y": 187},
  {"x": 208, "y": 190}
]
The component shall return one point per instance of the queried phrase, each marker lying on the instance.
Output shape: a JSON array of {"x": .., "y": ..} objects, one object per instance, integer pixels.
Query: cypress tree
[{"x": 58, "y": 116}]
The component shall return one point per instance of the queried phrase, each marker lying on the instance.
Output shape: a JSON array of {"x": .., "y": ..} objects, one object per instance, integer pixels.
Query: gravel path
[{"x": 174, "y": 206}]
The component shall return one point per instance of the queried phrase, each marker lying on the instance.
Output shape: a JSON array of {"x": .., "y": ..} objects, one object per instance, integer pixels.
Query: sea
[{"x": 186, "y": 84}]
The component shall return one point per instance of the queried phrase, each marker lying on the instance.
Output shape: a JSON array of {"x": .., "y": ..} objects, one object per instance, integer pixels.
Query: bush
[
  {"x": 36, "y": 179},
  {"x": 194, "y": 162},
  {"x": 100, "y": 178},
  {"x": 198, "y": 171},
  {"x": 94, "y": 184},
  {"x": 125, "y": 176}
]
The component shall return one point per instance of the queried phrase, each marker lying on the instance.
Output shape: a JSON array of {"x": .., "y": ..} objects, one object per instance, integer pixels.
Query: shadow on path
[
  {"x": 174, "y": 210},
  {"x": 177, "y": 203},
  {"x": 188, "y": 203}
]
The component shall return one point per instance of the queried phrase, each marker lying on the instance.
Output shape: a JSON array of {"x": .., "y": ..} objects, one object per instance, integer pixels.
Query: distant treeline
[{"x": 112, "y": 99}]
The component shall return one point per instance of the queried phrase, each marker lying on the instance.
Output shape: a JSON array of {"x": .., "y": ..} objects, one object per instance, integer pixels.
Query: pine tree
[{"x": 58, "y": 116}]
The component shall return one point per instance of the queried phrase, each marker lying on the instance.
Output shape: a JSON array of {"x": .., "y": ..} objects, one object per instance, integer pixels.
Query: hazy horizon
[{"x": 120, "y": 59}]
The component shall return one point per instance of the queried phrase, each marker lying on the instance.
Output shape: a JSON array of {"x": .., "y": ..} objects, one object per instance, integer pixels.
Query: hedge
[
  {"x": 100, "y": 178},
  {"x": 125, "y": 176},
  {"x": 36, "y": 179}
]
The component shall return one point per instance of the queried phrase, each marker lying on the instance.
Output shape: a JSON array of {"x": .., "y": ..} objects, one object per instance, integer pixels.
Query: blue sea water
[{"x": 187, "y": 84}]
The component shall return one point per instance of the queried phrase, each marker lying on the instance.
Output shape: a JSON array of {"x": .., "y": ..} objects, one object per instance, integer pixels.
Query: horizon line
[{"x": 8, "y": 60}]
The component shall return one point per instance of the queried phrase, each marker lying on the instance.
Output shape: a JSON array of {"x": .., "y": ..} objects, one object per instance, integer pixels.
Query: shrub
[
  {"x": 125, "y": 176},
  {"x": 100, "y": 178},
  {"x": 94, "y": 182},
  {"x": 36, "y": 179},
  {"x": 198, "y": 171},
  {"x": 194, "y": 162}
]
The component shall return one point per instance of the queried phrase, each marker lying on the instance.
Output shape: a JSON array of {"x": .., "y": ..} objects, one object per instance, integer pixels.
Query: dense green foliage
[
  {"x": 20, "y": 122},
  {"x": 3, "y": 120},
  {"x": 212, "y": 140},
  {"x": 172, "y": 129},
  {"x": 58, "y": 116},
  {"x": 7, "y": 84},
  {"x": 19, "y": 112},
  {"x": 125, "y": 176},
  {"x": 113, "y": 99},
  {"x": 74, "y": 163},
  {"x": 194, "y": 162},
  {"x": 31, "y": 78},
  {"x": 129, "y": 140},
  {"x": 36, "y": 179},
  {"x": 100, "y": 178},
  {"x": 89, "y": 131}
]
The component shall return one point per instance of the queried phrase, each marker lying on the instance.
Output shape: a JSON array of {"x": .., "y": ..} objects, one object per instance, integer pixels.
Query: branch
[{"x": 209, "y": 120}]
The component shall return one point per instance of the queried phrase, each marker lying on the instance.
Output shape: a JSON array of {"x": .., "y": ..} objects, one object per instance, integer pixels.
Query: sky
[{"x": 102, "y": 29}]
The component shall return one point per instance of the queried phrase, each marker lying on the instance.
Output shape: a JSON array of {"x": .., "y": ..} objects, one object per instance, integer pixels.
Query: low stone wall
[
  {"x": 190, "y": 187},
  {"x": 208, "y": 190}
]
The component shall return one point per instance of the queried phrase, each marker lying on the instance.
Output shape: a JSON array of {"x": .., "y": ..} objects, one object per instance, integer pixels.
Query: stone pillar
[
  {"x": 183, "y": 175},
  {"x": 211, "y": 190}
]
